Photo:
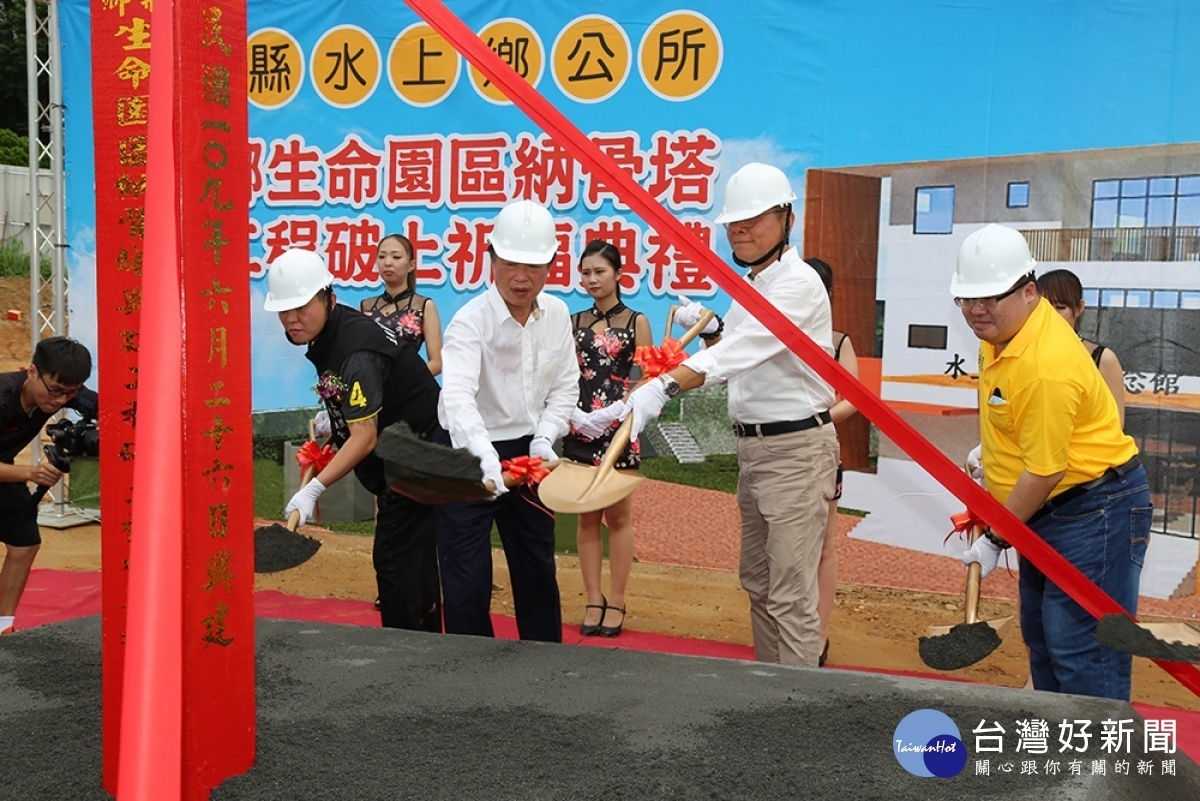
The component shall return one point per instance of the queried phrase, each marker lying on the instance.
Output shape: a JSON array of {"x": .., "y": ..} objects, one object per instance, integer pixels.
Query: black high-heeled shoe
[
  {"x": 824, "y": 654},
  {"x": 612, "y": 631},
  {"x": 592, "y": 629}
]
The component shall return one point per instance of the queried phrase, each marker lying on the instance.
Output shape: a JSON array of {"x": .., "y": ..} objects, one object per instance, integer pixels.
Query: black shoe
[
  {"x": 613, "y": 631},
  {"x": 591, "y": 630},
  {"x": 824, "y": 654}
]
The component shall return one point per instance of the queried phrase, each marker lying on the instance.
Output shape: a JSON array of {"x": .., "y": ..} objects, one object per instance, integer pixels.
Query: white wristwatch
[{"x": 670, "y": 385}]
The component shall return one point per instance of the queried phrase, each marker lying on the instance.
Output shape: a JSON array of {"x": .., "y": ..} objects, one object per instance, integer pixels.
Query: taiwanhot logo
[{"x": 927, "y": 743}]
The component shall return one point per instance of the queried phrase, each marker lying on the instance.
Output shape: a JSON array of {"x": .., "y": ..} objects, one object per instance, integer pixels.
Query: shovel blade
[
  {"x": 575, "y": 488},
  {"x": 964, "y": 645},
  {"x": 434, "y": 490},
  {"x": 1175, "y": 642},
  {"x": 998, "y": 624},
  {"x": 278, "y": 548}
]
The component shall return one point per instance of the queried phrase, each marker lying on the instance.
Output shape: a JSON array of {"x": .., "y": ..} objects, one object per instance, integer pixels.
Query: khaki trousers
[{"x": 785, "y": 483}]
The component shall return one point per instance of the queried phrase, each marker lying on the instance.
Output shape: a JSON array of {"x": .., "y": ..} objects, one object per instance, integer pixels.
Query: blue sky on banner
[{"x": 353, "y": 110}]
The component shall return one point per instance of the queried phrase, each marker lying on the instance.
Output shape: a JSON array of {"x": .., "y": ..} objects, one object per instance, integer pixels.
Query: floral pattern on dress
[{"x": 605, "y": 360}]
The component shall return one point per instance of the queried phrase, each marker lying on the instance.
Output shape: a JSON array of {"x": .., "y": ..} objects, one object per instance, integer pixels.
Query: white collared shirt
[
  {"x": 502, "y": 380},
  {"x": 767, "y": 382}
]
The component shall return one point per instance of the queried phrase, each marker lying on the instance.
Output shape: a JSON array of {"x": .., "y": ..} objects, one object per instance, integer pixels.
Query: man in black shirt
[
  {"x": 368, "y": 379},
  {"x": 28, "y": 399}
]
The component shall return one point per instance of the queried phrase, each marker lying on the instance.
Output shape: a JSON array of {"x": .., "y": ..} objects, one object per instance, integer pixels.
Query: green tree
[
  {"x": 14, "y": 114},
  {"x": 14, "y": 149}
]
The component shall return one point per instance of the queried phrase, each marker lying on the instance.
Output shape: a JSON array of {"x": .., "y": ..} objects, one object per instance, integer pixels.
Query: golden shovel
[{"x": 574, "y": 488}]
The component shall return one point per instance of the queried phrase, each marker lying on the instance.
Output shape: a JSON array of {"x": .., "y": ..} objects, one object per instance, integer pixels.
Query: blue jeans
[{"x": 1104, "y": 533}]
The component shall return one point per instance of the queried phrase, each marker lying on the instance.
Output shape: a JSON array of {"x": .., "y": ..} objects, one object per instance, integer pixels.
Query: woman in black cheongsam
[{"x": 606, "y": 336}]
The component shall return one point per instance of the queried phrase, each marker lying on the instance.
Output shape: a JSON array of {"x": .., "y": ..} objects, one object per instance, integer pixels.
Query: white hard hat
[
  {"x": 294, "y": 279},
  {"x": 524, "y": 233},
  {"x": 754, "y": 189},
  {"x": 990, "y": 261}
]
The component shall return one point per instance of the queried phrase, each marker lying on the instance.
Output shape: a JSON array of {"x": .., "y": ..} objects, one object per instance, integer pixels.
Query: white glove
[
  {"x": 689, "y": 315},
  {"x": 493, "y": 473},
  {"x": 489, "y": 463},
  {"x": 985, "y": 552},
  {"x": 321, "y": 424},
  {"x": 542, "y": 448},
  {"x": 975, "y": 462},
  {"x": 304, "y": 501},
  {"x": 645, "y": 404},
  {"x": 591, "y": 425}
]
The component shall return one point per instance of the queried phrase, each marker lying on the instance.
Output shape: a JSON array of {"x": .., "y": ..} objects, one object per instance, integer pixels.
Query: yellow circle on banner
[
  {"x": 275, "y": 67},
  {"x": 680, "y": 55},
  {"x": 591, "y": 58},
  {"x": 422, "y": 66},
  {"x": 519, "y": 46},
  {"x": 345, "y": 66}
]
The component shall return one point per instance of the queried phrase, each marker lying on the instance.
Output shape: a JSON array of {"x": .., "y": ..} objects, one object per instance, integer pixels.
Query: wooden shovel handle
[
  {"x": 692, "y": 332},
  {"x": 695, "y": 330},
  {"x": 974, "y": 573},
  {"x": 621, "y": 436},
  {"x": 293, "y": 521},
  {"x": 616, "y": 446}
]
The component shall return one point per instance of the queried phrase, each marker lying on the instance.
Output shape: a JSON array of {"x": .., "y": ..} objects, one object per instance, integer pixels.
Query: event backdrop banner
[
  {"x": 363, "y": 121},
  {"x": 903, "y": 127}
]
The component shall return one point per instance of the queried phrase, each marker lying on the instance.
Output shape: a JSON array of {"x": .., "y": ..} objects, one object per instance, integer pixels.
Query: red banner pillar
[
  {"x": 120, "y": 119},
  {"x": 210, "y": 562},
  {"x": 218, "y": 505}
]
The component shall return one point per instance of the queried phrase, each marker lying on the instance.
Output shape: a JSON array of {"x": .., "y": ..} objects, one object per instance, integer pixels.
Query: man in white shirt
[
  {"x": 510, "y": 381},
  {"x": 787, "y": 449}
]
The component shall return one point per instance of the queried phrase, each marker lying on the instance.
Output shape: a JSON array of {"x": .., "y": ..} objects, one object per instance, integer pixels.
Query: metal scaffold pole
[{"x": 47, "y": 206}]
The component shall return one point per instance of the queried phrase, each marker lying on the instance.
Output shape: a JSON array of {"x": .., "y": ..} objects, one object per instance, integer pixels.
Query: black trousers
[
  {"x": 18, "y": 516},
  {"x": 406, "y": 568},
  {"x": 464, "y": 552}
]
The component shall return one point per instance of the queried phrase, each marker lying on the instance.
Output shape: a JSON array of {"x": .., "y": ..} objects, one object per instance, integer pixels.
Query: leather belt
[
  {"x": 1066, "y": 496},
  {"x": 785, "y": 427}
]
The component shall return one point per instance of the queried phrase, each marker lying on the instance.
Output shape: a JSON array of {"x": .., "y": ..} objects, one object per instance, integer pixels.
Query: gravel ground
[{"x": 361, "y": 714}]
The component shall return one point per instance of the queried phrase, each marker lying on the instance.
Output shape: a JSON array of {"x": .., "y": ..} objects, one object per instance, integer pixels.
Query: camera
[
  {"x": 71, "y": 440},
  {"x": 68, "y": 440}
]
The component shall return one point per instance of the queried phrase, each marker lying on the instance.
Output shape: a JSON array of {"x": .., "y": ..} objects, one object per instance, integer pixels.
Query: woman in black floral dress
[
  {"x": 606, "y": 336},
  {"x": 412, "y": 316}
]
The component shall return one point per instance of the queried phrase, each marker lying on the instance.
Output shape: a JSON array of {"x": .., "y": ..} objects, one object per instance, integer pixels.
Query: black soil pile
[
  {"x": 406, "y": 455},
  {"x": 278, "y": 548},
  {"x": 368, "y": 714},
  {"x": 963, "y": 645},
  {"x": 1123, "y": 634}
]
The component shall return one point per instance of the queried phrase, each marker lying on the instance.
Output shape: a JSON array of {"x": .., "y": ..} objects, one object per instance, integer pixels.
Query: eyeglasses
[
  {"x": 58, "y": 392},
  {"x": 753, "y": 221},
  {"x": 990, "y": 303}
]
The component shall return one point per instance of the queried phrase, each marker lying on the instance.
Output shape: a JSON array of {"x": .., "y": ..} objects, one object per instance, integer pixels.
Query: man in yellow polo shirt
[{"x": 1055, "y": 455}]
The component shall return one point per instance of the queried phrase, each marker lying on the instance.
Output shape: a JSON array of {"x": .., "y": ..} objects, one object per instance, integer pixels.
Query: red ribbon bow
[
  {"x": 963, "y": 522},
  {"x": 526, "y": 469},
  {"x": 310, "y": 454},
  {"x": 657, "y": 360}
]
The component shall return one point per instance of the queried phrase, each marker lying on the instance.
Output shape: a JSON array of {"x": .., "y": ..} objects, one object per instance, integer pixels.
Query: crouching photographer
[{"x": 28, "y": 399}]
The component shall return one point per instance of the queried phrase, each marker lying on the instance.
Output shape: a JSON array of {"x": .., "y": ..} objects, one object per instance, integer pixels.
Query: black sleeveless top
[{"x": 404, "y": 313}]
